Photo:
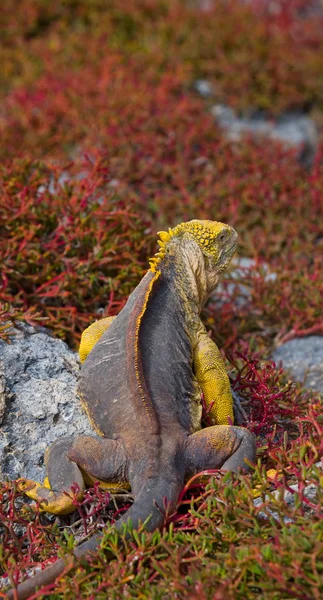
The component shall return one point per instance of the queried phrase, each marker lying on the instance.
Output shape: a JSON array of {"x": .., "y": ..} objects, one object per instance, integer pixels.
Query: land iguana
[{"x": 141, "y": 385}]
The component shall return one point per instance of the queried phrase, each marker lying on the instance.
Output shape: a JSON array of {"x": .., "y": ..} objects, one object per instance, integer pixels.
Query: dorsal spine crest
[{"x": 203, "y": 232}]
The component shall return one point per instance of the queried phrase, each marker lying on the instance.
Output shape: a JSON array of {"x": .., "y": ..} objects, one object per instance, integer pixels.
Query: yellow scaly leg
[{"x": 213, "y": 379}]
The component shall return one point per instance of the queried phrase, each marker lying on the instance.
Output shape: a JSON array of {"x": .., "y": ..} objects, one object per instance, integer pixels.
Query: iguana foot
[
  {"x": 50, "y": 501},
  {"x": 220, "y": 447},
  {"x": 56, "y": 495}
]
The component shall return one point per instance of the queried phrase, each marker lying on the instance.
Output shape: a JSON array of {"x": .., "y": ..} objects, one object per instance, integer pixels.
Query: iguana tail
[{"x": 156, "y": 495}]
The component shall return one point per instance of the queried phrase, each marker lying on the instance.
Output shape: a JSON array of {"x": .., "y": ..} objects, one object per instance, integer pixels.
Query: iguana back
[{"x": 141, "y": 386}]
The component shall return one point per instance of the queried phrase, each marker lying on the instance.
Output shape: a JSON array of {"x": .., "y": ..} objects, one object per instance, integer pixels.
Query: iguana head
[{"x": 209, "y": 244}]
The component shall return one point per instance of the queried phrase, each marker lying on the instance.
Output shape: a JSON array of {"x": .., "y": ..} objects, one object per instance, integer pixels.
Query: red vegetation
[
  {"x": 71, "y": 250},
  {"x": 103, "y": 143}
]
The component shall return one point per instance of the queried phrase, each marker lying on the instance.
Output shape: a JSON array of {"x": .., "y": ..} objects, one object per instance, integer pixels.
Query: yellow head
[{"x": 217, "y": 242}]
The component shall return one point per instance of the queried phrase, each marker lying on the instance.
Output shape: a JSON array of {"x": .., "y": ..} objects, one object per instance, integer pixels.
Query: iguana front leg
[
  {"x": 91, "y": 336},
  {"x": 212, "y": 378}
]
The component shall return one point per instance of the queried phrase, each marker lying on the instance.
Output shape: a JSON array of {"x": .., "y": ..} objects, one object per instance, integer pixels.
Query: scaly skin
[{"x": 141, "y": 385}]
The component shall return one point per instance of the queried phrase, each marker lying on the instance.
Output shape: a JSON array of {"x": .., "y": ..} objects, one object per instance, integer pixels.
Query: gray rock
[
  {"x": 303, "y": 358},
  {"x": 292, "y": 129},
  {"x": 309, "y": 492},
  {"x": 2, "y": 393},
  {"x": 64, "y": 178},
  {"x": 40, "y": 375},
  {"x": 241, "y": 267},
  {"x": 242, "y": 264},
  {"x": 204, "y": 88},
  {"x": 289, "y": 497},
  {"x": 310, "y": 9}
]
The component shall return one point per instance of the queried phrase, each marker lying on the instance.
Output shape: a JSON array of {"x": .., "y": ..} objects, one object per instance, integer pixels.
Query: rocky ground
[{"x": 39, "y": 390}]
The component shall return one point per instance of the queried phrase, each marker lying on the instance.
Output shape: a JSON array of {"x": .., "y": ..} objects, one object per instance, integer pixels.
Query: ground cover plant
[
  {"x": 103, "y": 142},
  {"x": 257, "y": 53}
]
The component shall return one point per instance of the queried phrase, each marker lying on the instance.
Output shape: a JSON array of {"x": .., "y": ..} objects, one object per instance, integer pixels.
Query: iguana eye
[{"x": 222, "y": 236}]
